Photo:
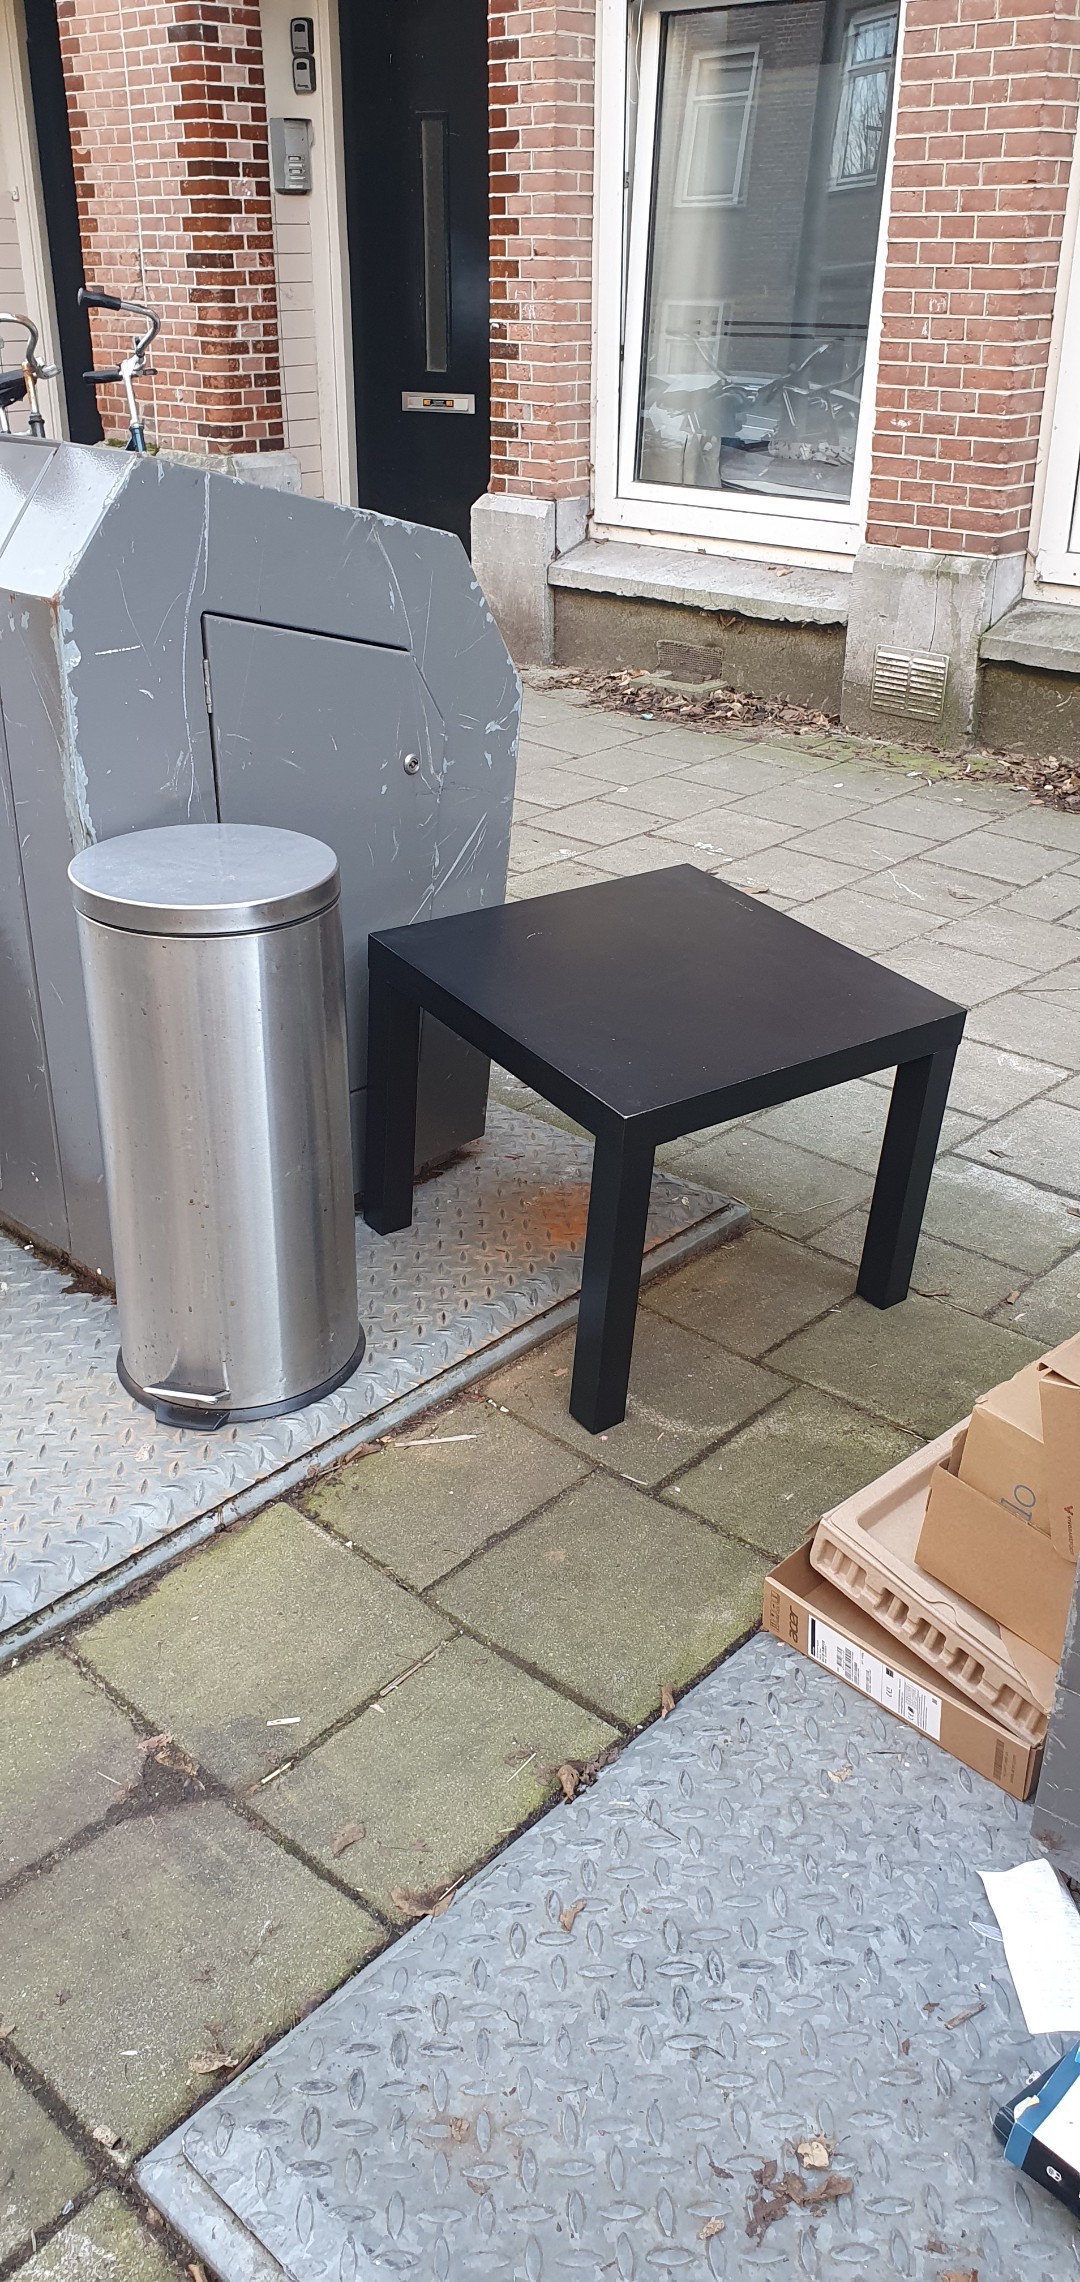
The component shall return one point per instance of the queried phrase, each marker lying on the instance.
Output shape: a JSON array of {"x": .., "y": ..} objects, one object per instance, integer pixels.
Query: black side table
[{"x": 646, "y": 1008}]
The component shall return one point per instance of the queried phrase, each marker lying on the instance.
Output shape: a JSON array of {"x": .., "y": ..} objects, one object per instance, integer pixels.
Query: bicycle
[
  {"x": 19, "y": 384},
  {"x": 131, "y": 368}
]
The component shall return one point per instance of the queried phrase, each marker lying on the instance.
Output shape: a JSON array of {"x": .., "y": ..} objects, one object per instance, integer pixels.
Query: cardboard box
[
  {"x": 808, "y": 1612},
  {"x": 1004, "y": 1457},
  {"x": 868, "y": 1548},
  {"x": 1059, "y": 1395},
  {"x": 999, "y": 1561}
]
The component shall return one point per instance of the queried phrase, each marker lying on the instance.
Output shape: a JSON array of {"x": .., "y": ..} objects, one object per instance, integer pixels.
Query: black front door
[{"x": 416, "y": 158}]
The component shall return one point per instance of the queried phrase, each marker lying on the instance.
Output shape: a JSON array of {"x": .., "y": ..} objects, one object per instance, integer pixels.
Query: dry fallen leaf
[
  {"x": 712, "y": 2227},
  {"x": 7, "y": 2028},
  {"x": 569, "y": 1777},
  {"x": 814, "y": 2154},
  {"x": 214, "y": 2063},
  {"x": 105, "y": 2137},
  {"x": 555, "y": 1553},
  {"x": 667, "y": 1701},
  {"x": 347, "y": 1836},
  {"x": 460, "y": 2129},
  {"x": 432, "y": 1904},
  {"x": 197, "y": 2270},
  {"x": 961, "y": 2274},
  {"x": 841, "y": 1774},
  {"x": 568, "y": 1917}
]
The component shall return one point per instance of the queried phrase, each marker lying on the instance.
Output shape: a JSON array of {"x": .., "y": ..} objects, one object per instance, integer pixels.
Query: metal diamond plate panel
[
  {"x": 782, "y": 1933},
  {"x": 91, "y": 1485}
]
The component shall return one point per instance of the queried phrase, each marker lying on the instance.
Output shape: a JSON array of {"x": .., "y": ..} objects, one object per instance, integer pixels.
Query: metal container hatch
[{"x": 215, "y": 987}]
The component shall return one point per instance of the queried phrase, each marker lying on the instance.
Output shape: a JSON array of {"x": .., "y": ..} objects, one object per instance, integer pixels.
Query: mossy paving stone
[
  {"x": 612, "y": 1596},
  {"x": 67, "y": 1753},
  {"x": 749, "y": 1295},
  {"x": 920, "y": 1364},
  {"x": 771, "y": 1484},
  {"x": 684, "y": 1394},
  {"x": 273, "y": 1623},
  {"x": 40, "y": 2171},
  {"x": 169, "y": 1935},
  {"x": 435, "y": 1777},
  {"x": 436, "y": 1494},
  {"x": 105, "y": 2243}
]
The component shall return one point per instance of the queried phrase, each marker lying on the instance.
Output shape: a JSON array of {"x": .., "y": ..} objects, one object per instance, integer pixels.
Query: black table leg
[
  {"x": 611, "y": 1275},
  {"x": 920, "y": 1092},
  {"x": 390, "y": 1146}
]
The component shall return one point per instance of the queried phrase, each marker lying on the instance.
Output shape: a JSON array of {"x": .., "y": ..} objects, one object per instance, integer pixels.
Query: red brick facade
[
  {"x": 985, "y": 124},
  {"x": 169, "y": 136},
  {"x": 542, "y": 85}
]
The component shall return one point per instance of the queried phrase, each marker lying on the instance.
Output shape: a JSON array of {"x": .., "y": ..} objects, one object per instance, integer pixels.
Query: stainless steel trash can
[{"x": 214, "y": 970}]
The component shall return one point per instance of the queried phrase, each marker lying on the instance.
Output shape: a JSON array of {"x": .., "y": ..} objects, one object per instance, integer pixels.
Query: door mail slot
[{"x": 418, "y": 400}]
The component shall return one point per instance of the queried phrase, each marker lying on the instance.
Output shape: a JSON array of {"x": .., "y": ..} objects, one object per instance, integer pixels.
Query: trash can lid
[{"x": 204, "y": 879}]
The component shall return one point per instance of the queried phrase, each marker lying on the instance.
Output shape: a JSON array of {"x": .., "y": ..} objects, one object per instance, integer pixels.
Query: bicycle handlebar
[
  {"x": 89, "y": 299},
  {"x": 30, "y": 360},
  {"x": 108, "y": 372}
]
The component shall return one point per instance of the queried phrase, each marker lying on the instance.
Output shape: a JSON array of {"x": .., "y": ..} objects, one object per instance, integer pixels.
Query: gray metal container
[{"x": 215, "y": 987}]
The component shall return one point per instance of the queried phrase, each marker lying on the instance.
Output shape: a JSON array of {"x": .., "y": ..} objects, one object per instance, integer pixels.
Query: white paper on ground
[{"x": 1040, "y": 1927}]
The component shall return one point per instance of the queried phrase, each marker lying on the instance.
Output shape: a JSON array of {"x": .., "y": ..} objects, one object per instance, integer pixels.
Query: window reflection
[{"x": 772, "y": 134}]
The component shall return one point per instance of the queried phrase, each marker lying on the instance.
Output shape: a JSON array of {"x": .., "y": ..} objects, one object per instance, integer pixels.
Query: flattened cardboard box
[
  {"x": 804, "y": 1609},
  {"x": 984, "y": 1549},
  {"x": 1059, "y": 1394}
]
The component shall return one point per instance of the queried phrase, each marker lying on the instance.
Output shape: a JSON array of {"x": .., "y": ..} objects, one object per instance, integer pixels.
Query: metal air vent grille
[{"x": 911, "y": 682}]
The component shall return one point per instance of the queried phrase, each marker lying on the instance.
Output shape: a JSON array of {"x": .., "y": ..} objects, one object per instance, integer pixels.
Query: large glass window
[{"x": 768, "y": 165}]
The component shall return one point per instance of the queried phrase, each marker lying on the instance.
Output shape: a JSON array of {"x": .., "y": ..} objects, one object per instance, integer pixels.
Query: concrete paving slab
[
  {"x": 437, "y": 1776},
  {"x": 1049, "y": 1309},
  {"x": 789, "y": 1189},
  {"x": 534, "y": 847},
  {"x": 958, "y": 974},
  {"x": 272, "y": 1622},
  {"x": 582, "y": 731},
  {"x": 846, "y": 1123},
  {"x": 749, "y": 1296},
  {"x": 988, "y": 1211},
  {"x": 624, "y": 858},
  {"x": 867, "y": 846},
  {"x": 727, "y": 769},
  {"x": 542, "y": 783},
  {"x": 773, "y": 1481},
  {"x": 664, "y": 796},
  {"x": 988, "y": 1080},
  {"x": 553, "y": 879},
  {"x": 765, "y": 1949},
  {"x": 105, "y": 2243},
  {"x": 610, "y": 1597},
  {"x": 1069, "y": 1092},
  {"x": 812, "y": 802},
  {"x": 685, "y": 1392},
  {"x": 622, "y": 763},
  {"x": 865, "y": 922},
  {"x": 435, "y": 1495},
  {"x": 1043, "y": 1137},
  {"x": 40, "y": 2171},
  {"x": 216, "y": 1939},
  {"x": 941, "y": 1271},
  {"x": 999, "y": 855},
  {"x": 920, "y": 1365},
  {"x": 1057, "y": 897},
  {"x": 1001, "y": 933},
  {"x": 789, "y": 873},
  {"x": 939, "y": 815},
  {"x": 1028, "y": 1022},
  {"x": 66, "y": 1753},
  {"x": 925, "y": 886},
  {"x": 725, "y": 833},
  {"x": 597, "y": 821},
  {"x": 1048, "y": 828}
]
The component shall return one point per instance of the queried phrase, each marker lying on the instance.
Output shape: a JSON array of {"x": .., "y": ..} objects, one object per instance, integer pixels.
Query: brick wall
[
  {"x": 986, "y": 116},
  {"x": 541, "y": 84},
  {"x": 168, "y": 127}
]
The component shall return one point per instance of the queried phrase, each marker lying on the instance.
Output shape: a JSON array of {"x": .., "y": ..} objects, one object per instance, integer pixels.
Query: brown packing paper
[
  {"x": 812, "y": 1616},
  {"x": 1059, "y": 1393},
  {"x": 979, "y": 1548},
  {"x": 1003, "y": 1456}
]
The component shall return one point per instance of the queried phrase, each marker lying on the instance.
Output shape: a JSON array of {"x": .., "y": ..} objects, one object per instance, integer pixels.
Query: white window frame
[
  {"x": 850, "y": 71},
  {"x": 1055, "y": 521},
  {"x": 729, "y": 522},
  {"x": 696, "y": 104}
]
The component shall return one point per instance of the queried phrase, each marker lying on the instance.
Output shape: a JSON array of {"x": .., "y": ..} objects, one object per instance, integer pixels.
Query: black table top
[{"x": 664, "y": 989}]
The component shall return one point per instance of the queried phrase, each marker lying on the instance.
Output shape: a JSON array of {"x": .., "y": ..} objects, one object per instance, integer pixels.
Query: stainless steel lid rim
[
  {"x": 203, "y": 934},
  {"x": 205, "y": 879}
]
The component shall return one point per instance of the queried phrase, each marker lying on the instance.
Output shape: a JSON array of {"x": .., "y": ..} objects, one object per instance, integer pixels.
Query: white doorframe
[
  {"x": 19, "y": 142},
  {"x": 831, "y": 531},
  {"x": 1055, "y": 520}
]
